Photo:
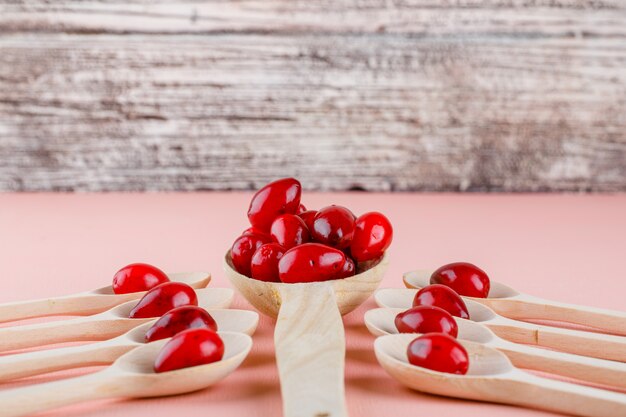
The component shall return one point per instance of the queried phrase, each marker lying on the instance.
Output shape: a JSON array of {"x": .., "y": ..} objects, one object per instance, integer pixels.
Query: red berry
[
  {"x": 163, "y": 298},
  {"x": 178, "y": 320},
  {"x": 310, "y": 262},
  {"x": 301, "y": 209},
  {"x": 289, "y": 230},
  {"x": 253, "y": 231},
  {"x": 243, "y": 249},
  {"x": 264, "y": 263},
  {"x": 137, "y": 277},
  {"x": 333, "y": 226},
  {"x": 426, "y": 319},
  {"x": 443, "y": 297},
  {"x": 308, "y": 217},
  {"x": 276, "y": 198},
  {"x": 189, "y": 348},
  {"x": 372, "y": 236},
  {"x": 348, "y": 270},
  {"x": 438, "y": 352},
  {"x": 464, "y": 278}
]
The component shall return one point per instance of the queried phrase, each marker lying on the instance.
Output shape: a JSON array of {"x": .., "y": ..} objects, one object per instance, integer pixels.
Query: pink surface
[{"x": 568, "y": 248}]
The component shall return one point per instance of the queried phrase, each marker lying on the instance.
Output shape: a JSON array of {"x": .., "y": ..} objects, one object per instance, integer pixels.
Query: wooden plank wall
[{"x": 427, "y": 95}]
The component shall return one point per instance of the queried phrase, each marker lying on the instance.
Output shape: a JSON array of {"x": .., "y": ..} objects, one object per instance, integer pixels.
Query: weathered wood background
[{"x": 468, "y": 95}]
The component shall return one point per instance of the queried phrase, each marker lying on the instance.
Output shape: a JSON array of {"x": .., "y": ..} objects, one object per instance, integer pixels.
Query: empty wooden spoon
[
  {"x": 87, "y": 303},
  {"x": 513, "y": 304},
  {"x": 101, "y": 326},
  {"x": 595, "y": 345},
  {"x": 130, "y": 376},
  {"x": 492, "y": 377},
  {"x": 309, "y": 335},
  {"x": 105, "y": 352},
  {"x": 380, "y": 321}
]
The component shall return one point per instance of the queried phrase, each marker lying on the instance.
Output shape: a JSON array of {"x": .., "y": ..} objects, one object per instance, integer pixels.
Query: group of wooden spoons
[
  {"x": 471, "y": 343},
  {"x": 160, "y": 335}
]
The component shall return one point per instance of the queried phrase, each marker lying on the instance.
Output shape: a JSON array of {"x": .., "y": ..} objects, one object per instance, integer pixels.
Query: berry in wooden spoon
[
  {"x": 189, "y": 348},
  {"x": 310, "y": 262},
  {"x": 137, "y": 277},
  {"x": 443, "y": 297},
  {"x": 243, "y": 249},
  {"x": 438, "y": 352},
  {"x": 163, "y": 298},
  {"x": 333, "y": 226},
  {"x": 372, "y": 236},
  {"x": 178, "y": 320},
  {"x": 426, "y": 319},
  {"x": 289, "y": 230},
  {"x": 308, "y": 217},
  {"x": 264, "y": 263},
  {"x": 464, "y": 278},
  {"x": 276, "y": 198}
]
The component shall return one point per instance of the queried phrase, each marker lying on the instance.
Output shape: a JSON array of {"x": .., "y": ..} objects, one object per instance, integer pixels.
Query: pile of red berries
[{"x": 288, "y": 243}]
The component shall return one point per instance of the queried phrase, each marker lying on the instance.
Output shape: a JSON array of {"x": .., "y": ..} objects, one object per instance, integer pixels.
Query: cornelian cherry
[
  {"x": 464, "y": 278},
  {"x": 348, "y": 270},
  {"x": 310, "y": 262},
  {"x": 372, "y": 236},
  {"x": 189, "y": 348},
  {"x": 438, "y": 352},
  {"x": 443, "y": 297},
  {"x": 163, "y": 298},
  {"x": 243, "y": 249},
  {"x": 426, "y": 319},
  {"x": 308, "y": 217},
  {"x": 264, "y": 263},
  {"x": 137, "y": 277},
  {"x": 178, "y": 320},
  {"x": 289, "y": 230},
  {"x": 276, "y": 198},
  {"x": 333, "y": 226}
]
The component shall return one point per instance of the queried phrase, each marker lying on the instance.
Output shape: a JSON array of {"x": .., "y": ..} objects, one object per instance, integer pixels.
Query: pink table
[{"x": 568, "y": 248}]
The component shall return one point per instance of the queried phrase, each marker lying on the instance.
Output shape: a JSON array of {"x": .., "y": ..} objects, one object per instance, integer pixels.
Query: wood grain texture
[{"x": 497, "y": 95}]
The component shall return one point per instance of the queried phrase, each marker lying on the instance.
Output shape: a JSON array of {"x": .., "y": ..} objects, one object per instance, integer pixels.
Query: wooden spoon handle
[
  {"x": 547, "y": 394},
  {"x": 528, "y": 307},
  {"x": 73, "y": 330},
  {"x": 39, "y": 362},
  {"x": 595, "y": 345},
  {"x": 310, "y": 351},
  {"x": 582, "y": 368},
  {"x": 31, "y": 399}
]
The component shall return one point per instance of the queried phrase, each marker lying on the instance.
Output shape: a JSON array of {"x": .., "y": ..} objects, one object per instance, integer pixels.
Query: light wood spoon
[
  {"x": 595, "y": 345},
  {"x": 492, "y": 377},
  {"x": 102, "y": 326},
  {"x": 105, "y": 352},
  {"x": 130, "y": 376},
  {"x": 513, "y": 304},
  {"x": 87, "y": 303},
  {"x": 380, "y": 321},
  {"x": 309, "y": 335}
]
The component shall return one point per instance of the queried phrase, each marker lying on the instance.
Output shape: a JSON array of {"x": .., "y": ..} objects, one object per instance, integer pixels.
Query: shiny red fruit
[
  {"x": 178, "y": 320},
  {"x": 372, "y": 236},
  {"x": 276, "y": 198},
  {"x": 289, "y": 230},
  {"x": 301, "y": 209},
  {"x": 464, "y": 278},
  {"x": 189, "y": 348},
  {"x": 253, "y": 231},
  {"x": 333, "y": 226},
  {"x": 308, "y": 217},
  {"x": 310, "y": 262},
  {"x": 348, "y": 270},
  {"x": 137, "y": 277},
  {"x": 243, "y": 249},
  {"x": 264, "y": 263},
  {"x": 438, "y": 352},
  {"x": 163, "y": 298},
  {"x": 426, "y": 319},
  {"x": 443, "y": 297}
]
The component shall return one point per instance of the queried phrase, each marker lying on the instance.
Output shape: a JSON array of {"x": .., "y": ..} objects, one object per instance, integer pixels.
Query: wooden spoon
[
  {"x": 513, "y": 304},
  {"x": 87, "y": 303},
  {"x": 380, "y": 321},
  {"x": 130, "y": 376},
  {"x": 102, "y": 326},
  {"x": 105, "y": 352},
  {"x": 595, "y": 345},
  {"x": 309, "y": 335},
  {"x": 492, "y": 377}
]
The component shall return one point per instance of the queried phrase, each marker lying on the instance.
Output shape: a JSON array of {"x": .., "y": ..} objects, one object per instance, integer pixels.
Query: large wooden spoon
[
  {"x": 309, "y": 335},
  {"x": 89, "y": 302},
  {"x": 492, "y": 377},
  {"x": 130, "y": 376}
]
